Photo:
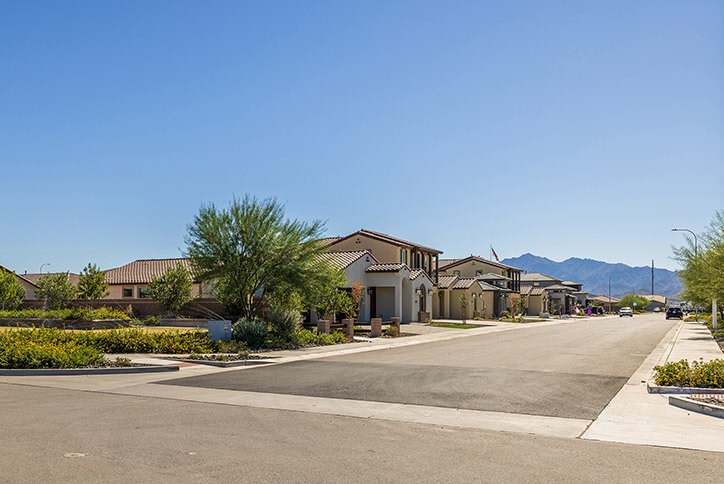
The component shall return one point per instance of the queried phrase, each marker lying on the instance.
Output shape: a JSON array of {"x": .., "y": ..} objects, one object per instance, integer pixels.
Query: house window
[
  {"x": 127, "y": 292},
  {"x": 478, "y": 273},
  {"x": 403, "y": 256},
  {"x": 144, "y": 293}
]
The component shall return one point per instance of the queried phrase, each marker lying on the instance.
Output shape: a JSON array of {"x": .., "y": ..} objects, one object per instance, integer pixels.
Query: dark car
[{"x": 674, "y": 313}]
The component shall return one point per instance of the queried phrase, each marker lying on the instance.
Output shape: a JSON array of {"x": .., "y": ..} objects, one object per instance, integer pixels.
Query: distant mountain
[{"x": 595, "y": 275}]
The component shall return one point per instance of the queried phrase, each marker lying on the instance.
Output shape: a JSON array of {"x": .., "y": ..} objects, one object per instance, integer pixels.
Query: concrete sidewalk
[{"x": 637, "y": 417}]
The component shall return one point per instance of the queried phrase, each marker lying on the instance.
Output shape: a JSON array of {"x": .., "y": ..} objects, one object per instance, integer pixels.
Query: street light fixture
[
  {"x": 696, "y": 241},
  {"x": 696, "y": 256},
  {"x": 43, "y": 265}
]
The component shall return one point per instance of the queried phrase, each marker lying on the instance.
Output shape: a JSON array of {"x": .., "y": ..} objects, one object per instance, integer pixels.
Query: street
[{"x": 80, "y": 429}]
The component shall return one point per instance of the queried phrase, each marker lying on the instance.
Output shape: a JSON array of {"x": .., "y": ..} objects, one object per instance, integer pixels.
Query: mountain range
[{"x": 595, "y": 275}]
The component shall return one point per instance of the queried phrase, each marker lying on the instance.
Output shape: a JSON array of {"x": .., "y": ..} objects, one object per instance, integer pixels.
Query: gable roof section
[
  {"x": 464, "y": 283},
  {"x": 537, "y": 277},
  {"x": 444, "y": 282},
  {"x": 386, "y": 267},
  {"x": 489, "y": 276},
  {"x": 571, "y": 283},
  {"x": 143, "y": 270},
  {"x": 443, "y": 263},
  {"x": 531, "y": 291},
  {"x": 559, "y": 287},
  {"x": 450, "y": 263},
  {"x": 389, "y": 239},
  {"x": 35, "y": 277},
  {"x": 343, "y": 259},
  {"x": 23, "y": 277}
]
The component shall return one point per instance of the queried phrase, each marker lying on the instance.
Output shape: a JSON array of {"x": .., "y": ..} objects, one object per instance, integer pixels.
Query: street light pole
[
  {"x": 696, "y": 241},
  {"x": 43, "y": 265}
]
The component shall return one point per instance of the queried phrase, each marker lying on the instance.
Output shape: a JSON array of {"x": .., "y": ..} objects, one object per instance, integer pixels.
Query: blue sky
[{"x": 565, "y": 129}]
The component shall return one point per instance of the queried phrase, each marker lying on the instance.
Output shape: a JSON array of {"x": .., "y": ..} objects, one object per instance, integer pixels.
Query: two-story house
[{"x": 397, "y": 279}]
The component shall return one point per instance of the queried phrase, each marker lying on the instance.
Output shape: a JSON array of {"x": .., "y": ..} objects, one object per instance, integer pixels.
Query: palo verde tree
[
  {"x": 703, "y": 267},
  {"x": 92, "y": 283},
  {"x": 11, "y": 291},
  {"x": 634, "y": 301},
  {"x": 172, "y": 289},
  {"x": 249, "y": 250},
  {"x": 56, "y": 290}
]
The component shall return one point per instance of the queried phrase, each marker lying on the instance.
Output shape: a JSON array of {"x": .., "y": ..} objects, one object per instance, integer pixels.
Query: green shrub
[
  {"x": 392, "y": 331},
  {"x": 232, "y": 347},
  {"x": 151, "y": 321},
  {"x": 253, "y": 332},
  {"x": 305, "y": 337},
  {"x": 128, "y": 340},
  {"x": 700, "y": 374},
  {"x": 24, "y": 353},
  {"x": 68, "y": 314},
  {"x": 284, "y": 322}
]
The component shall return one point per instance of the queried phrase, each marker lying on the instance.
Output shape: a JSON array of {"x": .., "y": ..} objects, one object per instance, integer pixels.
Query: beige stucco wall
[
  {"x": 115, "y": 291},
  {"x": 471, "y": 268},
  {"x": 383, "y": 251},
  {"x": 535, "y": 305}
]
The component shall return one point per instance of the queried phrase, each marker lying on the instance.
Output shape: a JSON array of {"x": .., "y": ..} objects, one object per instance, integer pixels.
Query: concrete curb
[
  {"x": 652, "y": 387},
  {"x": 88, "y": 371},
  {"x": 699, "y": 407},
  {"x": 228, "y": 364}
]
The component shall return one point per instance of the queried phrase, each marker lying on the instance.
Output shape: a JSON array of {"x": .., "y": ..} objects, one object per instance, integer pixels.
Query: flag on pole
[{"x": 492, "y": 251}]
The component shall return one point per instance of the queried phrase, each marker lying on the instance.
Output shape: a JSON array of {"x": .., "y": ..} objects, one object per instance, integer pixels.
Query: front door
[{"x": 373, "y": 302}]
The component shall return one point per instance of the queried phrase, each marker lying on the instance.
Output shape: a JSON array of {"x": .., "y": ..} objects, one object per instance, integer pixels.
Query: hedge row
[{"x": 55, "y": 348}]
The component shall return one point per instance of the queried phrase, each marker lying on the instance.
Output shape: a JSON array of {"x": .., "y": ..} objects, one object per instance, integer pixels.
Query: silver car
[{"x": 625, "y": 312}]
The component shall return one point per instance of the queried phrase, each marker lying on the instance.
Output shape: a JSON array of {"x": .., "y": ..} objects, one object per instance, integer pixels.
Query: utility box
[{"x": 220, "y": 330}]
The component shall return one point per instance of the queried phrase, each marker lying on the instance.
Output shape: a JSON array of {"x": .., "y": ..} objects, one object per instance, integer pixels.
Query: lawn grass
[{"x": 457, "y": 325}]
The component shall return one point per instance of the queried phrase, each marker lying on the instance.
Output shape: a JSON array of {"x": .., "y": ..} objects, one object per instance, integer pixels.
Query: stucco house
[
  {"x": 131, "y": 281},
  {"x": 397, "y": 276},
  {"x": 28, "y": 284},
  {"x": 388, "y": 249},
  {"x": 488, "y": 297},
  {"x": 547, "y": 294}
]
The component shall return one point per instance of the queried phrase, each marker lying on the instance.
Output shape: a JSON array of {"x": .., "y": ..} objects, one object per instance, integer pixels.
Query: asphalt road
[
  {"x": 56, "y": 435},
  {"x": 570, "y": 370}
]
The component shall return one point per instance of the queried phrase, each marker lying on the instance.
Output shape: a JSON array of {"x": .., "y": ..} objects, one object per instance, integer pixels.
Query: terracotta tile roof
[
  {"x": 537, "y": 276},
  {"x": 492, "y": 287},
  {"x": 24, "y": 277},
  {"x": 558, "y": 287},
  {"x": 444, "y": 282},
  {"x": 343, "y": 259},
  {"x": 449, "y": 263},
  {"x": 464, "y": 282},
  {"x": 143, "y": 270},
  {"x": 414, "y": 274},
  {"x": 35, "y": 277},
  {"x": 604, "y": 299},
  {"x": 571, "y": 283},
  {"x": 389, "y": 239},
  {"x": 386, "y": 267},
  {"x": 531, "y": 291},
  {"x": 442, "y": 263},
  {"x": 489, "y": 276},
  {"x": 328, "y": 240}
]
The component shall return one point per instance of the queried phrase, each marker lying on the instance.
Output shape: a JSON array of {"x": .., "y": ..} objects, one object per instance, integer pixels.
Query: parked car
[
  {"x": 625, "y": 311},
  {"x": 674, "y": 312}
]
